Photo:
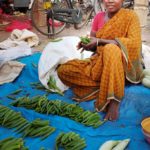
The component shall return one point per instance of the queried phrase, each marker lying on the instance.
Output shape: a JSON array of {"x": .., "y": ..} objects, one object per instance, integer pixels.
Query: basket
[{"x": 146, "y": 128}]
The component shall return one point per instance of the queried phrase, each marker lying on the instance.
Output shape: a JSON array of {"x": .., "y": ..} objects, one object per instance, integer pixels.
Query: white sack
[{"x": 56, "y": 53}]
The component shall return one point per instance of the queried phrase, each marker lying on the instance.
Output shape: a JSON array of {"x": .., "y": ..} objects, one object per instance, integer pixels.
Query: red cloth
[
  {"x": 98, "y": 21},
  {"x": 16, "y": 24},
  {"x": 56, "y": 23}
]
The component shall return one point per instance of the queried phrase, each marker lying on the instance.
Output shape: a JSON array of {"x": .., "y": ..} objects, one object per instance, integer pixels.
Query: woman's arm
[
  {"x": 97, "y": 42},
  {"x": 104, "y": 41},
  {"x": 92, "y": 34}
]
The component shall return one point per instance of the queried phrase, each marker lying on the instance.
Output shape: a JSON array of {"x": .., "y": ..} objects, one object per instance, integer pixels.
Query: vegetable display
[
  {"x": 56, "y": 107},
  {"x": 14, "y": 93},
  {"x": 36, "y": 128},
  {"x": 52, "y": 86},
  {"x": 11, "y": 143},
  {"x": 70, "y": 141}
]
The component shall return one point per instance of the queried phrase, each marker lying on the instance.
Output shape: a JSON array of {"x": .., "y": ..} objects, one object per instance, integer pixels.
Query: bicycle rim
[
  {"x": 49, "y": 27},
  {"x": 98, "y": 6},
  {"x": 86, "y": 10}
]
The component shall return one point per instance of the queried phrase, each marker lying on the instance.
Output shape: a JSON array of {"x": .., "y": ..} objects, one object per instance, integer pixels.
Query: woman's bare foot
[{"x": 113, "y": 111}]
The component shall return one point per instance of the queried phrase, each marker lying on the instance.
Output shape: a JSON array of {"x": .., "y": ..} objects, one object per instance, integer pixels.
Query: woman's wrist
[{"x": 97, "y": 41}]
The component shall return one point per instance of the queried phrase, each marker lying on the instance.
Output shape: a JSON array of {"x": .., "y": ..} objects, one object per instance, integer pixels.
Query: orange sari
[{"x": 102, "y": 76}]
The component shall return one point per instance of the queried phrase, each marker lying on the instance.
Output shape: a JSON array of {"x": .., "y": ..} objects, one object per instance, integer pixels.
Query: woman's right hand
[{"x": 89, "y": 47}]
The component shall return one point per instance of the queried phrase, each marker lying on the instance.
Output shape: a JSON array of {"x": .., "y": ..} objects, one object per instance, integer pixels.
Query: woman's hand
[{"x": 90, "y": 46}]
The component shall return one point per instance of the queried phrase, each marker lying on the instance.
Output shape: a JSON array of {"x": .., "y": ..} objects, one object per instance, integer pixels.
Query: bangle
[{"x": 96, "y": 42}]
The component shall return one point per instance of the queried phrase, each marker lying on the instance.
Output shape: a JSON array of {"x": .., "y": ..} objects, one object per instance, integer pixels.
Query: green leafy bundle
[
  {"x": 11, "y": 143},
  {"x": 36, "y": 128},
  {"x": 52, "y": 86},
  {"x": 73, "y": 111},
  {"x": 70, "y": 141},
  {"x": 85, "y": 40}
]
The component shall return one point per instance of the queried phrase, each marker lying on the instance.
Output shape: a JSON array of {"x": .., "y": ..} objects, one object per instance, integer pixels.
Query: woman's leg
[
  {"x": 73, "y": 74},
  {"x": 112, "y": 81}
]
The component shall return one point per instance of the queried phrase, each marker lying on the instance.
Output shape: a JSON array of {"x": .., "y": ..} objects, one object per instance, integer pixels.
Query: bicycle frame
[
  {"x": 69, "y": 15},
  {"x": 76, "y": 12}
]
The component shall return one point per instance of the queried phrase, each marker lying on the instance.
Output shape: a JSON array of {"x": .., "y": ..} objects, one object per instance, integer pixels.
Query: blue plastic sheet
[{"x": 135, "y": 106}]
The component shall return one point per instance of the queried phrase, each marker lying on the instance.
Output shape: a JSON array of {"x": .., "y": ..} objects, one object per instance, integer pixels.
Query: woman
[{"x": 117, "y": 57}]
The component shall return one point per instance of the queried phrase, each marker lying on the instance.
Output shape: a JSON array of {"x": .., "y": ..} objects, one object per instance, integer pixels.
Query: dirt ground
[{"x": 70, "y": 31}]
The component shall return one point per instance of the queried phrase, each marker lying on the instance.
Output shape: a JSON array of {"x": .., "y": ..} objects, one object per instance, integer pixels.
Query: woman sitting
[{"x": 116, "y": 38}]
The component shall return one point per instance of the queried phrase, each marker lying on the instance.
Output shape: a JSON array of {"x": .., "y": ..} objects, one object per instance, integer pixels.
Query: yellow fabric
[{"x": 103, "y": 75}]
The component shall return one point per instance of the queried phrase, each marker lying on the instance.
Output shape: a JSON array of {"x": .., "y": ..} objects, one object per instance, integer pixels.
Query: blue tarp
[{"x": 134, "y": 107}]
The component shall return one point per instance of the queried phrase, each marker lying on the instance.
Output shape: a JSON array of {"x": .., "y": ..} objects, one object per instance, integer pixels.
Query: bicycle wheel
[
  {"x": 86, "y": 8},
  {"x": 39, "y": 10},
  {"x": 98, "y": 6}
]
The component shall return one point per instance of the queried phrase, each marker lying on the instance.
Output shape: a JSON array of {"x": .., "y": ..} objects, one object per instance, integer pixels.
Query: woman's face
[{"x": 112, "y": 6}]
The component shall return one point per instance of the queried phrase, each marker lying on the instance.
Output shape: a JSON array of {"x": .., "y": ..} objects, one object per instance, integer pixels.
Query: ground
[{"x": 70, "y": 31}]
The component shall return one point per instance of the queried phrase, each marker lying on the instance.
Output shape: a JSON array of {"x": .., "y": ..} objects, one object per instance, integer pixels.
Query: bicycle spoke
[{"x": 39, "y": 12}]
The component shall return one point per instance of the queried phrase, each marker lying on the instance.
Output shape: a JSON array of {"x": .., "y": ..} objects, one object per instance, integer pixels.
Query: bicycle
[{"x": 51, "y": 17}]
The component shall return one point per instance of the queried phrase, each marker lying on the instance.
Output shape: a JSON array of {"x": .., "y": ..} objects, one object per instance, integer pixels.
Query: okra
[{"x": 85, "y": 40}]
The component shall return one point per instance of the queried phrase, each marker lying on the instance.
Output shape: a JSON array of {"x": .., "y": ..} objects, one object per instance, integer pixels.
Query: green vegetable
[
  {"x": 11, "y": 143},
  {"x": 11, "y": 97},
  {"x": 41, "y": 104},
  {"x": 52, "y": 85},
  {"x": 122, "y": 145},
  {"x": 12, "y": 119},
  {"x": 85, "y": 40},
  {"x": 16, "y": 92},
  {"x": 56, "y": 40},
  {"x": 70, "y": 141},
  {"x": 108, "y": 145}
]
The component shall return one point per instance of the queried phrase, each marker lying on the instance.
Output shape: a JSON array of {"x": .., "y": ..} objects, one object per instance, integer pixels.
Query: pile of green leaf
[
  {"x": 13, "y": 94},
  {"x": 36, "y": 128},
  {"x": 70, "y": 141},
  {"x": 52, "y": 86},
  {"x": 12, "y": 144},
  {"x": 85, "y": 40},
  {"x": 73, "y": 111}
]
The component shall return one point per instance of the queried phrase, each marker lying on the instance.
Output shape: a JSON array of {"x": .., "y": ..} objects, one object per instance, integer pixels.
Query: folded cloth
[
  {"x": 25, "y": 35},
  {"x": 18, "y": 36},
  {"x": 9, "y": 71},
  {"x": 14, "y": 50}
]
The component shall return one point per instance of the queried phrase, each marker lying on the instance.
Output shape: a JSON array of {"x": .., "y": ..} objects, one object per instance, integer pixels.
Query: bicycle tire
[
  {"x": 98, "y": 6},
  {"x": 86, "y": 10},
  {"x": 39, "y": 18}
]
